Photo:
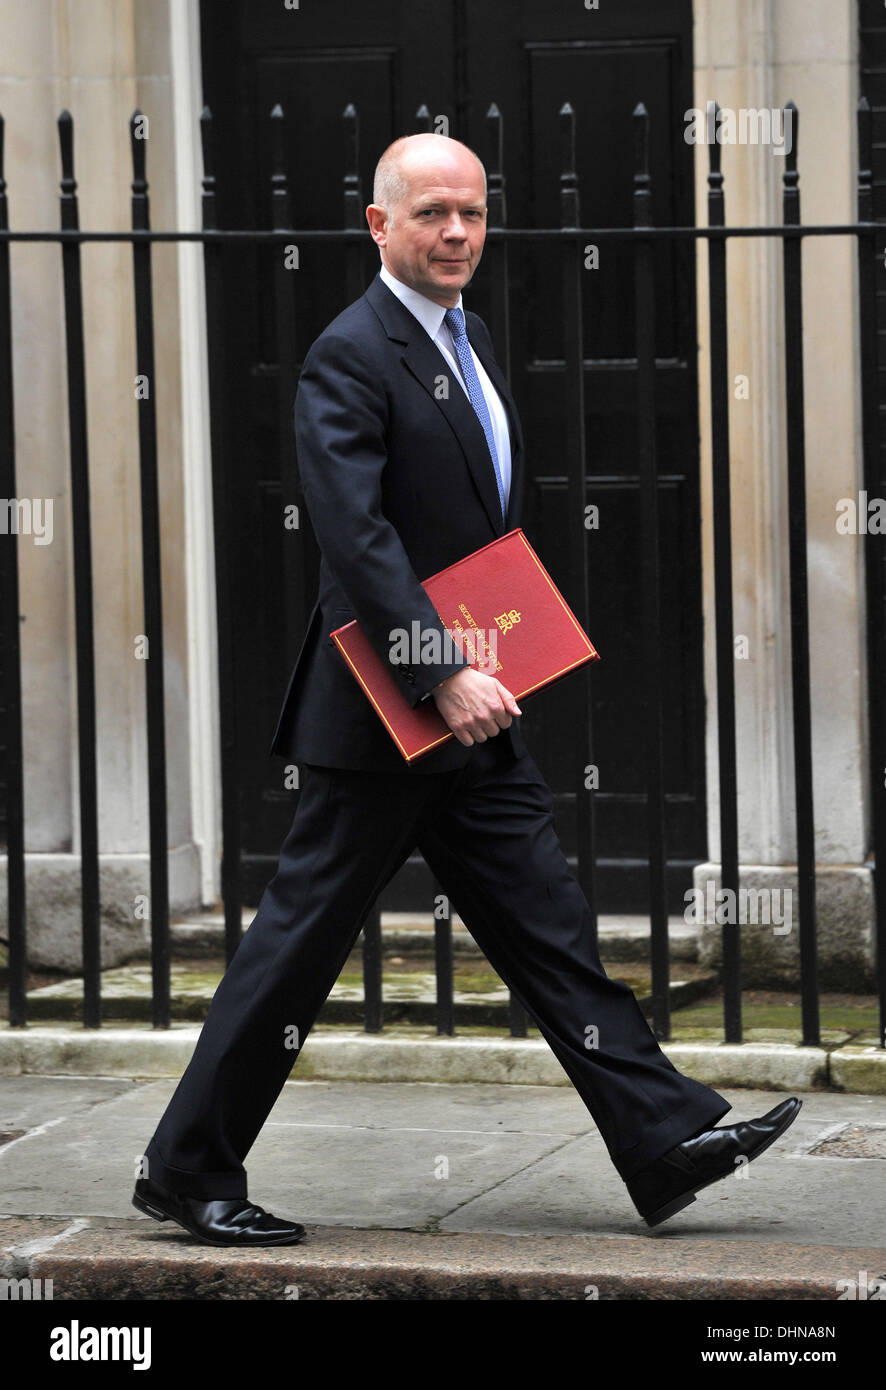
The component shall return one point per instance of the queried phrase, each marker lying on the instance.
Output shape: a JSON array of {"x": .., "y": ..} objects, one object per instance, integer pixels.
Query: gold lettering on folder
[{"x": 507, "y": 620}]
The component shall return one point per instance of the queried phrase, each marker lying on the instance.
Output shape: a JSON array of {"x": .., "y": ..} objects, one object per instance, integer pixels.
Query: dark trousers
[{"x": 486, "y": 831}]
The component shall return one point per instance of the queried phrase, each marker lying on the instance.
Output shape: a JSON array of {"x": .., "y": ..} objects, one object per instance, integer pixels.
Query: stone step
[
  {"x": 622, "y": 937},
  {"x": 408, "y": 997}
]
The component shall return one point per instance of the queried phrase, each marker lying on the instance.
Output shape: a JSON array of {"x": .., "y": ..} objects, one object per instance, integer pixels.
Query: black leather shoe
[
  {"x": 221, "y": 1221},
  {"x": 671, "y": 1182}
]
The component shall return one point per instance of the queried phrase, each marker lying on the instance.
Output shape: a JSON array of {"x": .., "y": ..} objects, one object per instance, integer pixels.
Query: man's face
[{"x": 435, "y": 240}]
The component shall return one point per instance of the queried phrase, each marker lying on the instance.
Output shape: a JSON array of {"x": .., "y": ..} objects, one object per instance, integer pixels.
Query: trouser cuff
[
  {"x": 669, "y": 1132},
  {"x": 189, "y": 1182}
]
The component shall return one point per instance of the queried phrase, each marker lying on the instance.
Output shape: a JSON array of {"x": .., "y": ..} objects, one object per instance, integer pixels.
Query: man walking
[{"x": 410, "y": 455}]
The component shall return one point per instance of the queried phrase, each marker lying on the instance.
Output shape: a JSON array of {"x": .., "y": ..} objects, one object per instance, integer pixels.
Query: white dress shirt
[{"x": 430, "y": 315}]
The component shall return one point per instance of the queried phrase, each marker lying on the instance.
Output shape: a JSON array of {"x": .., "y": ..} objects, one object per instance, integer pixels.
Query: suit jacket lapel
[{"x": 427, "y": 364}]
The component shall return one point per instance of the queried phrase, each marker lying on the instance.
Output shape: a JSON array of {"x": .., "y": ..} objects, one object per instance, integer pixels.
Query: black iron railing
[{"x": 568, "y": 241}]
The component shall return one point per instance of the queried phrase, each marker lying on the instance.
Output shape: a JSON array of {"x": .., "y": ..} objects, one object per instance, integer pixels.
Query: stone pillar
[
  {"x": 100, "y": 59},
  {"x": 756, "y": 55}
]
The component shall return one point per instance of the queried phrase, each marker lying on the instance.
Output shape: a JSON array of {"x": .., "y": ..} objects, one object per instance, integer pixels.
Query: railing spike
[
  {"x": 569, "y": 213},
  {"x": 66, "y": 148},
  {"x": 792, "y": 117},
  {"x": 714, "y": 152},
  {"x": 137, "y": 146}
]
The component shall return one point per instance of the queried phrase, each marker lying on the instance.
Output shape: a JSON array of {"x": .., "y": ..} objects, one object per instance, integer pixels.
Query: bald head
[
  {"x": 428, "y": 217},
  {"x": 421, "y": 156}
]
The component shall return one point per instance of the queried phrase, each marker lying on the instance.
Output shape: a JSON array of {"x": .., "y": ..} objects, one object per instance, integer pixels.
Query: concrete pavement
[{"x": 431, "y": 1190}]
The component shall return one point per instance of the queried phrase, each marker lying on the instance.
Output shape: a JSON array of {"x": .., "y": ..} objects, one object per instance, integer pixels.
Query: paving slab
[{"x": 428, "y": 1156}]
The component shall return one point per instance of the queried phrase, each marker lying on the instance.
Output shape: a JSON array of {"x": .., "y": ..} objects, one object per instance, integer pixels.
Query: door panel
[{"x": 388, "y": 59}]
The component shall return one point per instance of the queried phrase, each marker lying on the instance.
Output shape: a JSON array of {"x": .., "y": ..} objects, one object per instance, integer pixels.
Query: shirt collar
[{"x": 429, "y": 313}]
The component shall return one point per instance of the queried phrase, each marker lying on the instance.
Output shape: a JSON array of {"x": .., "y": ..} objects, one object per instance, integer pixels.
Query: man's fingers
[
  {"x": 487, "y": 725},
  {"x": 485, "y": 712},
  {"x": 507, "y": 697}
]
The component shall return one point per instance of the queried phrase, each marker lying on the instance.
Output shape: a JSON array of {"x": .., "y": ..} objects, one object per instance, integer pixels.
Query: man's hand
[{"x": 475, "y": 706}]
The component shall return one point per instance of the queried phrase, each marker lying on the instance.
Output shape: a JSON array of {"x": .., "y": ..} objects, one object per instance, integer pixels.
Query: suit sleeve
[{"x": 340, "y": 416}]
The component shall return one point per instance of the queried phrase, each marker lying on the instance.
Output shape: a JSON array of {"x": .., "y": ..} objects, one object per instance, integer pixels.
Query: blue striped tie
[{"x": 455, "y": 322}]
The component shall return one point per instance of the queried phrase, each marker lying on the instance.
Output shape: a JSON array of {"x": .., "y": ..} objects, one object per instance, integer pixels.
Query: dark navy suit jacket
[{"x": 399, "y": 483}]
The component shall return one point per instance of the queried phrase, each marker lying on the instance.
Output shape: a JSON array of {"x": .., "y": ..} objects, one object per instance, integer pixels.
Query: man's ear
[{"x": 377, "y": 218}]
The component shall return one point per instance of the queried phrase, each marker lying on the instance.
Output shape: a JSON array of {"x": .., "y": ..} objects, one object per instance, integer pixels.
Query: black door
[{"x": 388, "y": 60}]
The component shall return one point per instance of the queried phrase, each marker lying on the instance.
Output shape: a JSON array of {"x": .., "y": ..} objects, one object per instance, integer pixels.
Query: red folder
[{"x": 504, "y": 612}]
